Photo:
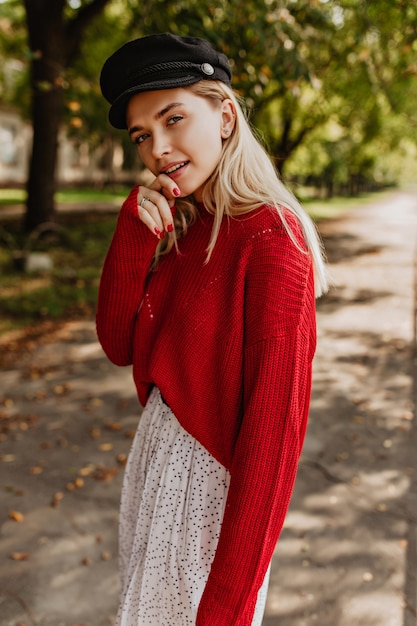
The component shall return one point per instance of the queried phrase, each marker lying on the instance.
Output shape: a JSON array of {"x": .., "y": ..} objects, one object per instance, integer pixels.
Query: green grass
[
  {"x": 67, "y": 292},
  {"x": 116, "y": 194},
  {"x": 92, "y": 195},
  {"x": 323, "y": 209},
  {"x": 12, "y": 196}
]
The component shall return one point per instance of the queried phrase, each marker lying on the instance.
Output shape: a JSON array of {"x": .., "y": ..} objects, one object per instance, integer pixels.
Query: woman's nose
[{"x": 160, "y": 145}]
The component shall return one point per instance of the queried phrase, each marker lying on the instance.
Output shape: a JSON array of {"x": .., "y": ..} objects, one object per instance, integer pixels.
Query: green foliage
[
  {"x": 14, "y": 55},
  {"x": 70, "y": 290},
  {"x": 367, "y": 96},
  {"x": 305, "y": 68}
]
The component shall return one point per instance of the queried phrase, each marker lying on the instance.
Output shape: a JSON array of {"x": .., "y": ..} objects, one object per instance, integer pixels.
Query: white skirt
[{"x": 173, "y": 498}]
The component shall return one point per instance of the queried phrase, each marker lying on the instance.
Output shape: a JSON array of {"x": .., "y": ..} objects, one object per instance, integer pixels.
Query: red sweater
[{"x": 230, "y": 345}]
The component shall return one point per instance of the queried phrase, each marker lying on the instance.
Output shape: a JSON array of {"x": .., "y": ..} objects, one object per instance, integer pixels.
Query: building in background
[{"x": 77, "y": 165}]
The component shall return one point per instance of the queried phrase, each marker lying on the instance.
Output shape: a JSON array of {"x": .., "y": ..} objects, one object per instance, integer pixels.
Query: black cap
[{"x": 157, "y": 62}]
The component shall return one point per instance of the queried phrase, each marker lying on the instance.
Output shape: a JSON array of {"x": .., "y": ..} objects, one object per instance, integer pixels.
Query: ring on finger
[{"x": 142, "y": 202}]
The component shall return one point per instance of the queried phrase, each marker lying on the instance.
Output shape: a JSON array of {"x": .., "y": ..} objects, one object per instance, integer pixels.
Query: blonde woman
[{"x": 208, "y": 290}]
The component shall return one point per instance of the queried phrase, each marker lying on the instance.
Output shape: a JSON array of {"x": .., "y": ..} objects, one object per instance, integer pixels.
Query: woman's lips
[{"x": 176, "y": 170}]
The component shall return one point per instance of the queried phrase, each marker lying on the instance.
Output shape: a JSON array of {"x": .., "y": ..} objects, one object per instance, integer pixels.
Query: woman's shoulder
[{"x": 269, "y": 222}]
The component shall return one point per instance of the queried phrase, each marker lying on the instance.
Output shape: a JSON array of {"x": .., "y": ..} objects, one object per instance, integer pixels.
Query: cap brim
[{"x": 117, "y": 112}]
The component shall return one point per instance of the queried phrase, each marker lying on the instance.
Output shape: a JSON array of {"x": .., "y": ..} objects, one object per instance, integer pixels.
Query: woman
[{"x": 208, "y": 289}]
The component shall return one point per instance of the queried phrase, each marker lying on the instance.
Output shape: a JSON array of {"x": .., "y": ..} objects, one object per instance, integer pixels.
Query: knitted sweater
[{"x": 230, "y": 344}]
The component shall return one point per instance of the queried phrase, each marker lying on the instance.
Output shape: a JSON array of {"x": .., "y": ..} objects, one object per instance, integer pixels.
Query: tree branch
[{"x": 75, "y": 27}]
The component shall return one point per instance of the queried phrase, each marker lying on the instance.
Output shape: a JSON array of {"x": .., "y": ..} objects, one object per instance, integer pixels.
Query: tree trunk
[
  {"x": 47, "y": 106},
  {"x": 45, "y": 23},
  {"x": 54, "y": 42}
]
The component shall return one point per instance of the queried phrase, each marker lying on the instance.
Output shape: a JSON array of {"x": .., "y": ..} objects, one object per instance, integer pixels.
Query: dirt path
[{"x": 347, "y": 555}]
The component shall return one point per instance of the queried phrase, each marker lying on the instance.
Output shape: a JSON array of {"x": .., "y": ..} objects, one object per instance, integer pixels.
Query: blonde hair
[{"x": 244, "y": 179}]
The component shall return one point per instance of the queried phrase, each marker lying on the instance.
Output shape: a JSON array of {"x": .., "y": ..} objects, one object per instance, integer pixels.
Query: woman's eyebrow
[
  {"x": 168, "y": 108},
  {"x": 158, "y": 115}
]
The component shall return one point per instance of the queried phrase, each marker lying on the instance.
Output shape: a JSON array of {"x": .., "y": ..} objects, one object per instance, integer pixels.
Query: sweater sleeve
[
  {"x": 279, "y": 347},
  {"x": 122, "y": 282}
]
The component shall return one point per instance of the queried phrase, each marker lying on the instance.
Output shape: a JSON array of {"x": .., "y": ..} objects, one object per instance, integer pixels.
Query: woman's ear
[{"x": 228, "y": 118}]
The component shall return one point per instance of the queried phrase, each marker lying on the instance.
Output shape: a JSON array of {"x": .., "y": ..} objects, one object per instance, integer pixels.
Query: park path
[{"x": 347, "y": 555}]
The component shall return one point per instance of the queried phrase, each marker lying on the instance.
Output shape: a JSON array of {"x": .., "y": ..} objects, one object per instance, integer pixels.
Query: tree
[
  {"x": 304, "y": 67},
  {"x": 369, "y": 92},
  {"x": 55, "y": 32}
]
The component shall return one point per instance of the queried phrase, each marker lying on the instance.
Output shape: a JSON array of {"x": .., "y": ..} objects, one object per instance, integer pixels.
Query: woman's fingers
[
  {"x": 165, "y": 185},
  {"x": 149, "y": 215},
  {"x": 155, "y": 203}
]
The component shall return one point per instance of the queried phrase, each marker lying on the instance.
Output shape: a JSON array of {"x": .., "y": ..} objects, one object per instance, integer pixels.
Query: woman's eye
[
  {"x": 174, "y": 119},
  {"x": 140, "y": 139}
]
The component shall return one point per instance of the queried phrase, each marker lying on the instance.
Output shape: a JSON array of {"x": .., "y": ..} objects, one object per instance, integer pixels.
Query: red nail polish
[
  {"x": 170, "y": 228},
  {"x": 176, "y": 192},
  {"x": 157, "y": 231}
]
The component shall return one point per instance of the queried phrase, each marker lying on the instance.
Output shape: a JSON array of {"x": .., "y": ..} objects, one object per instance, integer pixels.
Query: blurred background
[{"x": 330, "y": 85}]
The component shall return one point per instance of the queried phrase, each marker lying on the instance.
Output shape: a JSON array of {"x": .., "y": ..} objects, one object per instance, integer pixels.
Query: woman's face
[{"x": 179, "y": 134}]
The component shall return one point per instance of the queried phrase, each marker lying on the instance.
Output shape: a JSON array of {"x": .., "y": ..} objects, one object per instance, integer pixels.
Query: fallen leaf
[
  {"x": 46, "y": 445},
  {"x": 60, "y": 389},
  {"x": 36, "y": 469},
  {"x": 105, "y": 473},
  {"x": 19, "y": 556},
  {"x": 105, "y": 447},
  {"x": 95, "y": 433},
  {"x": 86, "y": 561},
  {"x": 16, "y": 516},
  {"x": 105, "y": 555},
  {"x": 57, "y": 497},
  {"x": 114, "y": 426},
  {"x": 8, "y": 458},
  {"x": 87, "y": 470}
]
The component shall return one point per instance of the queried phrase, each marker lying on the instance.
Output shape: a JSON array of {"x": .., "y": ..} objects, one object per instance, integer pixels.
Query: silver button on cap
[{"x": 207, "y": 69}]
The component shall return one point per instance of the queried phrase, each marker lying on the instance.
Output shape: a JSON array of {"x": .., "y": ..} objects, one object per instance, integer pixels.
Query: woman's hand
[{"x": 155, "y": 204}]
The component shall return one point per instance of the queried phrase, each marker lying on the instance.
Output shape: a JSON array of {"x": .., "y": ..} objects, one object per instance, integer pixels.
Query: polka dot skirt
[{"x": 173, "y": 498}]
